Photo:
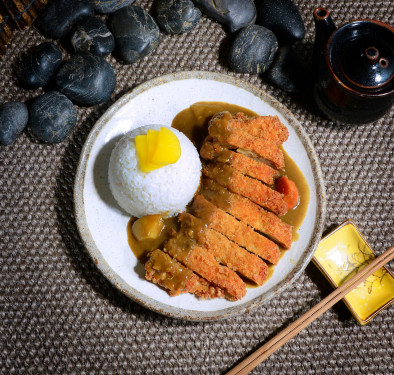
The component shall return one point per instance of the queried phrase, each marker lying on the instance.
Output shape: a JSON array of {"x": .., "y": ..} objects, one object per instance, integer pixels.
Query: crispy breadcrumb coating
[
  {"x": 245, "y": 210},
  {"x": 246, "y": 165},
  {"x": 175, "y": 278},
  {"x": 225, "y": 251},
  {"x": 237, "y": 231}
]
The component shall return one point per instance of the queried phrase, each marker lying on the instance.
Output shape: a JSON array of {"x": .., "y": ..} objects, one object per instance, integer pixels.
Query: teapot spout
[
  {"x": 324, "y": 28},
  {"x": 324, "y": 25}
]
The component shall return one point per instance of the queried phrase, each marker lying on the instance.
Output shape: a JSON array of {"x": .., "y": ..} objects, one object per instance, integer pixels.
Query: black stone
[
  {"x": 110, "y": 6},
  {"x": 86, "y": 79},
  {"x": 288, "y": 71},
  {"x": 177, "y": 16},
  {"x": 60, "y": 16},
  {"x": 52, "y": 117},
  {"x": 13, "y": 119},
  {"x": 40, "y": 64},
  {"x": 235, "y": 14},
  {"x": 283, "y": 18},
  {"x": 253, "y": 50},
  {"x": 92, "y": 35},
  {"x": 136, "y": 33}
]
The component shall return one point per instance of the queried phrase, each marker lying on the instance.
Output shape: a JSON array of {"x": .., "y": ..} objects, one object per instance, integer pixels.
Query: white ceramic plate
[{"x": 102, "y": 223}]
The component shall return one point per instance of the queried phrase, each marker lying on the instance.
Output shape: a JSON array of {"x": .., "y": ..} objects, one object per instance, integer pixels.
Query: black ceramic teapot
[{"x": 354, "y": 68}]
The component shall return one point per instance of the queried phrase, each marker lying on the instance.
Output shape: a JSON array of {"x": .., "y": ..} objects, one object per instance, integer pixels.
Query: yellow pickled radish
[
  {"x": 157, "y": 149},
  {"x": 168, "y": 148},
  {"x": 152, "y": 137},
  {"x": 141, "y": 145},
  {"x": 141, "y": 148}
]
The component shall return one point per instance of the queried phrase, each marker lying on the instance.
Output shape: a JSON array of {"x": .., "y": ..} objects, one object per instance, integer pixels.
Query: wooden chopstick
[{"x": 293, "y": 329}]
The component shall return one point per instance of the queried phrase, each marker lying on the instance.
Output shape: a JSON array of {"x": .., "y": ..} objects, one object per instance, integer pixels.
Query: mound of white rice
[{"x": 166, "y": 190}]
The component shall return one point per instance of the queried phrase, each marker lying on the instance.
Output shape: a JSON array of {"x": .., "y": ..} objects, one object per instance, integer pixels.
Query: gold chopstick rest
[{"x": 340, "y": 255}]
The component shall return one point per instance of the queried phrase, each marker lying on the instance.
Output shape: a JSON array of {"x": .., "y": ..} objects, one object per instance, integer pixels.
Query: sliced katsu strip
[
  {"x": 225, "y": 251},
  {"x": 248, "y": 187},
  {"x": 199, "y": 260},
  {"x": 235, "y": 230},
  {"x": 222, "y": 130},
  {"x": 245, "y": 210},
  {"x": 177, "y": 279},
  {"x": 242, "y": 163},
  {"x": 266, "y": 127}
]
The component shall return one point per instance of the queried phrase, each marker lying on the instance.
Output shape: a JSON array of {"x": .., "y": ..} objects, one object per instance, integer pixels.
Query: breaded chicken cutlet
[
  {"x": 214, "y": 151},
  {"x": 269, "y": 128},
  {"x": 246, "y": 211},
  {"x": 225, "y": 251},
  {"x": 199, "y": 260},
  {"x": 223, "y": 129},
  {"x": 248, "y": 187},
  {"x": 176, "y": 279},
  {"x": 224, "y": 233},
  {"x": 235, "y": 230}
]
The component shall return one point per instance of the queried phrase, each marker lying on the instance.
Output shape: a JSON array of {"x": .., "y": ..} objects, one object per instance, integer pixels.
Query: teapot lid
[{"x": 361, "y": 54}]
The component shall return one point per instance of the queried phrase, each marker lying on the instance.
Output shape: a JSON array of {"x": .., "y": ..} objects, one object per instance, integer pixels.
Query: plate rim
[{"x": 136, "y": 295}]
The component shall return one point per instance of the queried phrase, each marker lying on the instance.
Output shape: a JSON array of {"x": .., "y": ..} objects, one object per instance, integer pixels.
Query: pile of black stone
[
  {"x": 264, "y": 32},
  {"x": 88, "y": 79}
]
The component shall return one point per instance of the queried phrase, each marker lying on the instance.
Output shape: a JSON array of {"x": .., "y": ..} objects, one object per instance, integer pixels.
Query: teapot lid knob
[{"x": 372, "y": 54}]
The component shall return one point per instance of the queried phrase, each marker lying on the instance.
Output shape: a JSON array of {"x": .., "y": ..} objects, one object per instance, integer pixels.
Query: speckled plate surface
[{"x": 102, "y": 223}]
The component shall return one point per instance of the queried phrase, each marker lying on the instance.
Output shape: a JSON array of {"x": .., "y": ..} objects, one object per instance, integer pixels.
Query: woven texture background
[{"x": 58, "y": 314}]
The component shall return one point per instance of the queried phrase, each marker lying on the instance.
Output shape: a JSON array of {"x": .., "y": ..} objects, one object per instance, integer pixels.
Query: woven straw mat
[{"x": 58, "y": 314}]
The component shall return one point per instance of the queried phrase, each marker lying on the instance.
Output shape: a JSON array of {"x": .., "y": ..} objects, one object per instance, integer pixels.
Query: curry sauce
[
  {"x": 193, "y": 122},
  {"x": 141, "y": 248}
]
